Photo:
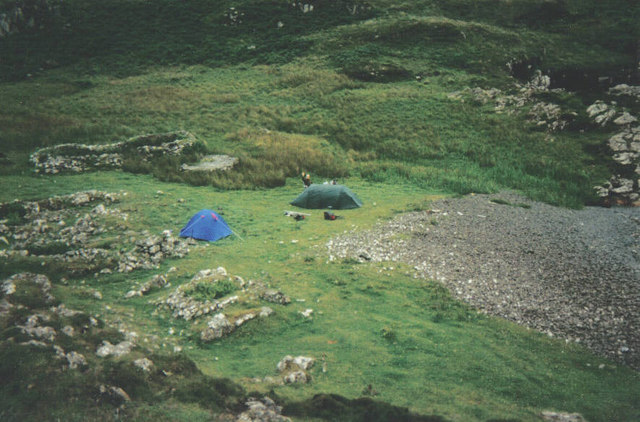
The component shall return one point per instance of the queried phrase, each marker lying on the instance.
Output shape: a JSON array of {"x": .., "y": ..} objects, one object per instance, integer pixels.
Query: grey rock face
[
  {"x": 601, "y": 112},
  {"x": 624, "y": 89},
  {"x": 625, "y": 150},
  {"x": 625, "y": 119},
  {"x": 263, "y": 410},
  {"x": 217, "y": 327}
]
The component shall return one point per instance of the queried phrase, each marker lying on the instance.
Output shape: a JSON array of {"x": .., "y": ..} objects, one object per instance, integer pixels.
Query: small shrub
[
  {"x": 124, "y": 375},
  {"x": 211, "y": 393},
  {"x": 208, "y": 291},
  {"x": 13, "y": 212},
  {"x": 177, "y": 364},
  {"x": 51, "y": 248},
  {"x": 388, "y": 334}
]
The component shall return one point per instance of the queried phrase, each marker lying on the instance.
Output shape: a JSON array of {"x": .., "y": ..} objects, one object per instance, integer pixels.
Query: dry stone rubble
[
  {"x": 36, "y": 326},
  {"x": 77, "y": 158},
  {"x": 262, "y": 410},
  {"x": 185, "y": 304},
  {"x": 571, "y": 274},
  {"x": 53, "y": 225},
  {"x": 548, "y": 116},
  {"x": 182, "y": 305},
  {"x": 623, "y": 187},
  {"x": 294, "y": 370}
]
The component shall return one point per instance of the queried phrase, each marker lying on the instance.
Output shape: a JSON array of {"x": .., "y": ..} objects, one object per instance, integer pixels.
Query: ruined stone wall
[{"x": 28, "y": 15}]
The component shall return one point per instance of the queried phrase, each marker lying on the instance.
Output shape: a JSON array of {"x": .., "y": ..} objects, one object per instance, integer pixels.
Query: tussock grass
[
  {"x": 360, "y": 97},
  {"x": 417, "y": 347},
  {"x": 283, "y": 120}
]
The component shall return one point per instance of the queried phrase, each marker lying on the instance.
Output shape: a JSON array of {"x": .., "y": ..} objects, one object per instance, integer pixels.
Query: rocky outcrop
[
  {"x": 220, "y": 326},
  {"x": 624, "y": 89},
  {"x": 56, "y": 229},
  {"x": 623, "y": 187},
  {"x": 549, "y": 416},
  {"x": 263, "y": 410},
  {"x": 77, "y": 158},
  {"x": 28, "y": 15},
  {"x": 117, "y": 350},
  {"x": 217, "y": 327},
  {"x": 150, "y": 251},
  {"x": 31, "y": 209},
  {"x": 30, "y": 294},
  {"x": 144, "y": 363},
  {"x": 212, "y": 163},
  {"x": 294, "y": 370},
  {"x": 158, "y": 281},
  {"x": 547, "y": 116},
  {"x": 182, "y": 303},
  {"x": 74, "y": 360}
]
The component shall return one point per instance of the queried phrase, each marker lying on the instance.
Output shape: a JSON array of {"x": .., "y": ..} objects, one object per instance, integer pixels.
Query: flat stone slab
[{"x": 212, "y": 163}]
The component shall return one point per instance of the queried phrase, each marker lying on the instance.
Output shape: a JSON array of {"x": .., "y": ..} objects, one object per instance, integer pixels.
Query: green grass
[
  {"x": 283, "y": 120},
  {"x": 362, "y": 98},
  {"x": 408, "y": 338}
]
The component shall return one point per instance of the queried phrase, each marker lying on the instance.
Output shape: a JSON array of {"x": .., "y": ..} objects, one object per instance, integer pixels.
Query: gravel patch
[{"x": 574, "y": 274}]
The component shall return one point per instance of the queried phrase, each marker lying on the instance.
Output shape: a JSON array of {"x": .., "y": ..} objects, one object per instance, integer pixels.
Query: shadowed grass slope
[{"x": 373, "y": 324}]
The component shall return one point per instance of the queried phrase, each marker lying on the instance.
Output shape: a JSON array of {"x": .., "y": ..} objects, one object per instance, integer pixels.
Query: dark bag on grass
[{"x": 329, "y": 216}]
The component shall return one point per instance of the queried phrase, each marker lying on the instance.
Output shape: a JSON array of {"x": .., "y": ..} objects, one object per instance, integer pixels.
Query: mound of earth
[{"x": 568, "y": 273}]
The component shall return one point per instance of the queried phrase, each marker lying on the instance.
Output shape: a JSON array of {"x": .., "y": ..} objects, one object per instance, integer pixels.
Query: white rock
[
  {"x": 217, "y": 327},
  {"x": 108, "y": 349},
  {"x": 265, "y": 312},
  {"x": 144, "y": 364},
  {"x": 300, "y": 362},
  {"x": 75, "y": 360},
  {"x": 625, "y": 119},
  {"x": 296, "y": 377}
]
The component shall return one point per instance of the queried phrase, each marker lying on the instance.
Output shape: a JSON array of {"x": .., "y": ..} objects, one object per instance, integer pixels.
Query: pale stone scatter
[
  {"x": 53, "y": 160},
  {"x": 294, "y": 369},
  {"x": 307, "y": 313},
  {"x": 108, "y": 349},
  {"x": 262, "y": 410},
  {"x": 144, "y": 363}
]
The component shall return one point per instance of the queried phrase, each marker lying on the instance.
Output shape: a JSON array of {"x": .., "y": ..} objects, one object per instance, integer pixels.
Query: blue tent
[{"x": 206, "y": 225}]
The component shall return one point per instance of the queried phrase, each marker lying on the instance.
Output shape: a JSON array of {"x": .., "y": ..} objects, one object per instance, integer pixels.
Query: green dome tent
[{"x": 336, "y": 197}]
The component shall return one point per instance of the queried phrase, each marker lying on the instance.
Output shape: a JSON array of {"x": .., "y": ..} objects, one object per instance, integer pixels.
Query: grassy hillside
[
  {"x": 354, "y": 90},
  {"x": 371, "y": 86}
]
